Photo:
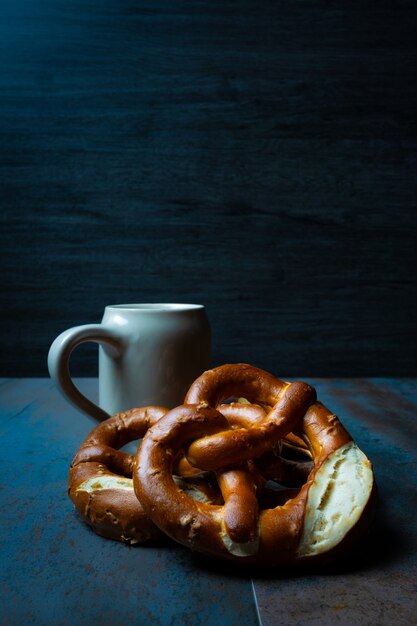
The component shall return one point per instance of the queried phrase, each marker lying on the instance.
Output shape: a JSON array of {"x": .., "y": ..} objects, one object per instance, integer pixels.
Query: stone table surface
[{"x": 55, "y": 570}]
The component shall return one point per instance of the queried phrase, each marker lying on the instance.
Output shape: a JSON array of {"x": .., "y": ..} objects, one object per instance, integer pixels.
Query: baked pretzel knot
[
  {"x": 100, "y": 478},
  {"x": 291, "y": 526}
]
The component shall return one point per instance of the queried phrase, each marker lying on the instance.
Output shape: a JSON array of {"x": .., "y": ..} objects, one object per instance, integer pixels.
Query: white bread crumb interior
[{"x": 336, "y": 500}]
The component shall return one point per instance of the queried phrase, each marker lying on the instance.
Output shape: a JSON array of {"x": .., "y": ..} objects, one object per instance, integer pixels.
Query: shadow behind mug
[{"x": 149, "y": 354}]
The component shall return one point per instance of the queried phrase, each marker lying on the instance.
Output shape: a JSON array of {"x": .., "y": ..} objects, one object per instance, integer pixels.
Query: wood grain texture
[{"x": 258, "y": 157}]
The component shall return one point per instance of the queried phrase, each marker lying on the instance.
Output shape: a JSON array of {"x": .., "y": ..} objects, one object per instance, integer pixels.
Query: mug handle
[{"x": 58, "y": 362}]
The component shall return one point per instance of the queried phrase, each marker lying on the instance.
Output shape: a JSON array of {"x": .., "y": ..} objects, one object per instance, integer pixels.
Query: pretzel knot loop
[
  {"x": 285, "y": 527},
  {"x": 100, "y": 478}
]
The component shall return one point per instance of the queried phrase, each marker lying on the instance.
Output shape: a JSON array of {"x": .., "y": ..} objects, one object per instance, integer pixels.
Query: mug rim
[{"x": 155, "y": 307}]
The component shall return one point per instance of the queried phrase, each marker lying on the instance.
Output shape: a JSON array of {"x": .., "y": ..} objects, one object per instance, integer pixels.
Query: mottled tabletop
[{"x": 55, "y": 570}]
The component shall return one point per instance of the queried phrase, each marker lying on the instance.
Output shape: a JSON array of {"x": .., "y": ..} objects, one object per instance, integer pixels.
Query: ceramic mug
[{"x": 149, "y": 354}]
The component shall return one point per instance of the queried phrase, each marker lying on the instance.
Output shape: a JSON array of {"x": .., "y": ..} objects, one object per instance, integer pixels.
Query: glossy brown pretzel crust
[
  {"x": 115, "y": 511},
  {"x": 239, "y": 529}
]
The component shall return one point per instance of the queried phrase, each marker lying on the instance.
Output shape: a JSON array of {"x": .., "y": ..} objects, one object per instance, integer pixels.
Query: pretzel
[
  {"x": 237, "y": 415},
  {"x": 269, "y": 466},
  {"x": 295, "y": 526},
  {"x": 100, "y": 479},
  {"x": 229, "y": 380}
]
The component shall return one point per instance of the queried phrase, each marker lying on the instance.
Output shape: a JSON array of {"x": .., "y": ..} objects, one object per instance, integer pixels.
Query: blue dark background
[{"x": 257, "y": 157}]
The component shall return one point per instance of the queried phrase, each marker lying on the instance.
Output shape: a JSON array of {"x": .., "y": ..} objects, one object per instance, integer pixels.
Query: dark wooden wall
[{"x": 258, "y": 157}]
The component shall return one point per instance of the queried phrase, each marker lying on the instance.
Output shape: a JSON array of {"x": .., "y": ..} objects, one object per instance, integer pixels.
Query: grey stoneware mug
[{"x": 149, "y": 354}]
